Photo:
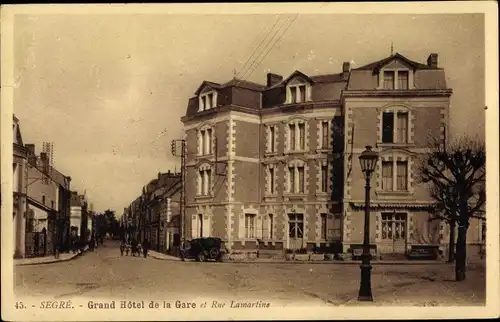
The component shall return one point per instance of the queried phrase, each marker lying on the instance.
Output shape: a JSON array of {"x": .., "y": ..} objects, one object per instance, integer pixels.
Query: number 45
[{"x": 19, "y": 305}]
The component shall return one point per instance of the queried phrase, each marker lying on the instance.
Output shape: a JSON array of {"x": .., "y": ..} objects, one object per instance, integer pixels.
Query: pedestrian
[
  {"x": 145, "y": 247},
  {"x": 134, "y": 246},
  {"x": 123, "y": 245}
]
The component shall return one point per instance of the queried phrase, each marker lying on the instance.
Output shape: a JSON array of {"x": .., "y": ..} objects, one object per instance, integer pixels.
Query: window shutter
[
  {"x": 259, "y": 230},
  {"x": 194, "y": 226},
  {"x": 265, "y": 227},
  {"x": 329, "y": 226},
  {"x": 241, "y": 227},
  {"x": 206, "y": 226}
]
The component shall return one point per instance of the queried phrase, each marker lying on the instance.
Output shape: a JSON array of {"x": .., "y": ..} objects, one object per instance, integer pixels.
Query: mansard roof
[{"x": 375, "y": 66}]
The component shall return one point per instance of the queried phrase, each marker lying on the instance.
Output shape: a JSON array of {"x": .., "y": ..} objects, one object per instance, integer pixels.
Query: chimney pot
[
  {"x": 273, "y": 79},
  {"x": 432, "y": 61},
  {"x": 346, "y": 68}
]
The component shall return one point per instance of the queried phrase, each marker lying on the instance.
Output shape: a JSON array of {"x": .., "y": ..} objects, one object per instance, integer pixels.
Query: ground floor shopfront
[{"x": 394, "y": 228}]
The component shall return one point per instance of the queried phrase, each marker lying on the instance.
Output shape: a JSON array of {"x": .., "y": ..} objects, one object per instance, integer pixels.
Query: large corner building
[{"x": 275, "y": 166}]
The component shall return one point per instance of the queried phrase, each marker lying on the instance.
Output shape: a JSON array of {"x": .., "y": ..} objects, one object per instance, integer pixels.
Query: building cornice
[{"x": 397, "y": 93}]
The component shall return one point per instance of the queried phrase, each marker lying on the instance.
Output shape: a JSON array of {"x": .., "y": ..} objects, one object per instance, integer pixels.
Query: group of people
[{"x": 133, "y": 247}]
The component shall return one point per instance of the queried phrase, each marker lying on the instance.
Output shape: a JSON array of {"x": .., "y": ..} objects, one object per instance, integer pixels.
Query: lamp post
[{"x": 368, "y": 161}]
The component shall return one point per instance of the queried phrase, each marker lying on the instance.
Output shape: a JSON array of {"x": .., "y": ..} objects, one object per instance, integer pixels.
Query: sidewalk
[
  {"x": 161, "y": 256},
  {"x": 46, "y": 259}
]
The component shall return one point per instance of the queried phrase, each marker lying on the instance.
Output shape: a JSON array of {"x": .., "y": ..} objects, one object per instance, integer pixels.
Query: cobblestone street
[{"x": 105, "y": 274}]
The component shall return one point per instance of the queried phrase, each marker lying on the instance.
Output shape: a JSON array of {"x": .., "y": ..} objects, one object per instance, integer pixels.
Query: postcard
[{"x": 257, "y": 161}]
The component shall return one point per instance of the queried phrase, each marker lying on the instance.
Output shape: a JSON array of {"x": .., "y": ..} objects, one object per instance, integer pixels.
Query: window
[
  {"x": 324, "y": 227},
  {"x": 387, "y": 175},
  {"x": 325, "y": 135},
  {"x": 300, "y": 171},
  {"x": 291, "y": 171},
  {"x": 337, "y": 226},
  {"x": 43, "y": 200},
  {"x": 207, "y": 101},
  {"x": 393, "y": 226},
  {"x": 205, "y": 182},
  {"x": 302, "y": 136},
  {"x": 298, "y": 94},
  {"x": 395, "y": 127},
  {"x": 388, "y": 80},
  {"x": 403, "y": 80},
  {"x": 271, "y": 139},
  {"x": 324, "y": 178},
  {"x": 200, "y": 225},
  {"x": 295, "y": 225},
  {"x": 402, "y": 175},
  {"x": 297, "y": 136},
  {"x": 292, "y": 137},
  {"x": 402, "y": 127},
  {"x": 205, "y": 142},
  {"x": 302, "y": 93},
  {"x": 250, "y": 225},
  {"x": 293, "y": 93},
  {"x": 52, "y": 204},
  {"x": 387, "y": 127},
  {"x": 270, "y": 180},
  {"x": 296, "y": 179}
]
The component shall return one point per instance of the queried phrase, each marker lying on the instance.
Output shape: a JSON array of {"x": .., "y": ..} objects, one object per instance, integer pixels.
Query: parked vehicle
[{"x": 203, "y": 249}]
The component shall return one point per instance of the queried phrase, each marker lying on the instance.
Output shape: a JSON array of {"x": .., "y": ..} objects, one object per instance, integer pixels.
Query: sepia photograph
[{"x": 249, "y": 161}]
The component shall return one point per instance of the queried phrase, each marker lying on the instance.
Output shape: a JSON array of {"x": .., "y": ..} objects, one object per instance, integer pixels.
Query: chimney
[
  {"x": 31, "y": 149},
  {"x": 432, "y": 61},
  {"x": 273, "y": 79},
  {"x": 346, "y": 68}
]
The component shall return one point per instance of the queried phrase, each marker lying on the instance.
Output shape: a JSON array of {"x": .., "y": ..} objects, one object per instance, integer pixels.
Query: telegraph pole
[{"x": 179, "y": 150}]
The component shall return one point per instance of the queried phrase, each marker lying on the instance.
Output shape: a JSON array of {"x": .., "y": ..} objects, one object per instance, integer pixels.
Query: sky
[{"x": 109, "y": 90}]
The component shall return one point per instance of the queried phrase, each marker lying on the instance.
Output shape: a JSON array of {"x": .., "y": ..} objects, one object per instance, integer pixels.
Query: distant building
[
  {"x": 276, "y": 166},
  {"x": 19, "y": 189},
  {"x": 155, "y": 215}
]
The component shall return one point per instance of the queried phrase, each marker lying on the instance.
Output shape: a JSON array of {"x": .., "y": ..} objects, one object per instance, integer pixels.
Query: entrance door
[
  {"x": 393, "y": 233},
  {"x": 295, "y": 230}
]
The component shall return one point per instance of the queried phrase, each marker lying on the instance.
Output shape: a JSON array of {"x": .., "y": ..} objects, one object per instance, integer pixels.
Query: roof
[
  {"x": 380, "y": 63},
  {"x": 295, "y": 74},
  {"x": 234, "y": 82},
  {"x": 328, "y": 78},
  {"x": 244, "y": 84},
  {"x": 206, "y": 83}
]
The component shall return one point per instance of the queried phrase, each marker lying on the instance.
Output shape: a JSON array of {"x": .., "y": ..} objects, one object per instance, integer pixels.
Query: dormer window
[
  {"x": 207, "y": 101},
  {"x": 298, "y": 93},
  {"x": 395, "y": 79}
]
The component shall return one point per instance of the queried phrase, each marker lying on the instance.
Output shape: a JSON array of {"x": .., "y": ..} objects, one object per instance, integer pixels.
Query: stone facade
[{"x": 282, "y": 171}]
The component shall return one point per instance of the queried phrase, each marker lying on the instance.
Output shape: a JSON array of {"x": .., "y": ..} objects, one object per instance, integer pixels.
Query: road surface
[{"x": 106, "y": 274}]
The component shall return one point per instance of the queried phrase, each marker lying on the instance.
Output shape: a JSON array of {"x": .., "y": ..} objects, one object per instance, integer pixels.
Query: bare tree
[{"x": 456, "y": 174}]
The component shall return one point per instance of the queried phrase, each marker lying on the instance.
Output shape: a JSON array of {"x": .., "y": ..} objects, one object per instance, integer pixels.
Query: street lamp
[{"x": 368, "y": 161}]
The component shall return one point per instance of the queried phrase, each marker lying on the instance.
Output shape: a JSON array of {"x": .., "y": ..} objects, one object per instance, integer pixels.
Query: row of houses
[
  {"x": 155, "y": 214},
  {"x": 47, "y": 214},
  {"x": 275, "y": 165}
]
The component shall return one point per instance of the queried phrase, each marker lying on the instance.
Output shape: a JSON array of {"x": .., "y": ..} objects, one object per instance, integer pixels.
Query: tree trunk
[
  {"x": 451, "y": 251},
  {"x": 461, "y": 258}
]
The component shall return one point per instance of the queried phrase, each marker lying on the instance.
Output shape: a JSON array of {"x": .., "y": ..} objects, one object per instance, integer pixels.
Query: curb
[
  {"x": 51, "y": 261},
  {"x": 374, "y": 263}
]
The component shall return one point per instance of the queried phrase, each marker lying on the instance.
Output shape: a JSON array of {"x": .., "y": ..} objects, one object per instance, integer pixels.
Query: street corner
[{"x": 46, "y": 260}]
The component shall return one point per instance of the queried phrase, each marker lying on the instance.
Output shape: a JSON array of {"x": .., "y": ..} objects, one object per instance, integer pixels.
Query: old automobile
[{"x": 203, "y": 249}]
